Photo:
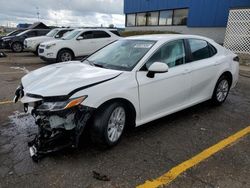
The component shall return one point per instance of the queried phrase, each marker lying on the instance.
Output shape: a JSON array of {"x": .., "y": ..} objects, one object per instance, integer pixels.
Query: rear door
[{"x": 204, "y": 69}]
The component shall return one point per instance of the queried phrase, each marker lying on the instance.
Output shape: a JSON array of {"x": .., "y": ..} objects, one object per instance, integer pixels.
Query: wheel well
[
  {"x": 229, "y": 76},
  {"x": 129, "y": 108},
  {"x": 66, "y": 49},
  {"x": 16, "y": 42}
]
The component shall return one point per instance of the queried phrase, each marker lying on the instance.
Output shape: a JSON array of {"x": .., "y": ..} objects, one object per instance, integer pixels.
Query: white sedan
[{"x": 130, "y": 82}]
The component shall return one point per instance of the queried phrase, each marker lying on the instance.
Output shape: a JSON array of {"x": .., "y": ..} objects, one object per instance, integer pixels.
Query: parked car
[
  {"x": 130, "y": 82},
  {"x": 32, "y": 44},
  {"x": 13, "y": 33},
  {"x": 77, "y": 43},
  {"x": 15, "y": 43}
]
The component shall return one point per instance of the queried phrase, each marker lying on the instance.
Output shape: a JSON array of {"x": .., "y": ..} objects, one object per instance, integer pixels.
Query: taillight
[{"x": 236, "y": 59}]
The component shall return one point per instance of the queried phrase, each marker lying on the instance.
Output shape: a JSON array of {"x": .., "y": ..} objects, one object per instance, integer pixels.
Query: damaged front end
[{"x": 60, "y": 122}]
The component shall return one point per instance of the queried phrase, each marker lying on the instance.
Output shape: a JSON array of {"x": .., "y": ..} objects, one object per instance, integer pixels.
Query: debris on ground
[
  {"x": 2, "y": 54},
  {"x": 100, "y": 177}
]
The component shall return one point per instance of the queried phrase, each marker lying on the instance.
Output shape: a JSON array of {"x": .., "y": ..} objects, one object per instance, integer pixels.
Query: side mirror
[
  {"x": 157, "y": 67},
  {"x": 57, "y": 36},
  {"x": 80, "y": 38}
]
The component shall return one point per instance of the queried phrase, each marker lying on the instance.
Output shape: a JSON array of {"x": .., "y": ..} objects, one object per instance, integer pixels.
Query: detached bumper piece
[{"x": 58, "y": 130}]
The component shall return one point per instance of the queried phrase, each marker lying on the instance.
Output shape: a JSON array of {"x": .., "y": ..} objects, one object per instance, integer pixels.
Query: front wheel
[
  {"x": 64, "y": 55},
  {"x": 221, "y": 90},
  {"x": 109, "y": 124},
  {"x": 17, "y": 47}
]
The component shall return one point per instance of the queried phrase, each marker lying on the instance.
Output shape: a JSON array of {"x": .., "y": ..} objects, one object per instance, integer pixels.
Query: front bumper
[
  {"x": 47, "y": 59},
  {"x": 46, "y": 55},
  {"x": 29, "y": 46},
  {"x": 6, "y": 44}
]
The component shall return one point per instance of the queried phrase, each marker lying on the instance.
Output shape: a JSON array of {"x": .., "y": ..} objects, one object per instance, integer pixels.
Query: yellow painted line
[
  {"x": 6, "y": 102},
  {"x": 166, "y": 178}
]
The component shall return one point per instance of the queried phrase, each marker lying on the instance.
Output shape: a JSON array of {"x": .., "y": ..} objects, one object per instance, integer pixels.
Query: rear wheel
[
  {"x": 221, "y": 90},
  {"x": 109, "y": 124},
  {"x": 17, "y": 47},
  {"x": 65, "y": 55}
]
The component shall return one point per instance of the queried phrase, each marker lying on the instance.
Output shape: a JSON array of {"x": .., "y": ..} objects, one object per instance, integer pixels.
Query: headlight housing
[
  {"x": 50, "y": 45},
  {"x": 61, "y": 105},
  {"x": 7, "y": 40}
]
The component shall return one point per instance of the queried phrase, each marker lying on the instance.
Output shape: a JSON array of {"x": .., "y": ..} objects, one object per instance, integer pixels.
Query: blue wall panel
[{"x": 202, "y": 13}]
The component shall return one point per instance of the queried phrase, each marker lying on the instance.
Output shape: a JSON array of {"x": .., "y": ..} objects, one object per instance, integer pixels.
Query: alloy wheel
[
  {"x": 222, "y": 90},
  {"x": 66, "y": 56},
  {"x": 116, "y": 124}
]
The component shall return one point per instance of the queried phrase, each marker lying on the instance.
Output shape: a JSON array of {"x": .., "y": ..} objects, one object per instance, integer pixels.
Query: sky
[{"x": 88, "y": 13}]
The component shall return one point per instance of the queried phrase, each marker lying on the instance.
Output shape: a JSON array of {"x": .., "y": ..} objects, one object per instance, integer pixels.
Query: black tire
[
  {"x": 17, "y": 47},
  {"x": 99, "y": 128},
  {"x": 216, "y": 100},
  {"x": 36, "y": 52},
  {"x": 61, "y": 55}
]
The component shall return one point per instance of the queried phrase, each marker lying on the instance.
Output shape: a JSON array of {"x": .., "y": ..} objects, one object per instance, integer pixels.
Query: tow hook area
[{"x": 58, "y": 130}]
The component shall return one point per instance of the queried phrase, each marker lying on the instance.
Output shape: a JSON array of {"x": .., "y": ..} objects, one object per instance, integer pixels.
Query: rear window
[
  {"x": 199, "y": 49},
  {"x": 212, "y": 50},
  {"x": 115, "y": 32},
  {"x": 100, "y": 34}
]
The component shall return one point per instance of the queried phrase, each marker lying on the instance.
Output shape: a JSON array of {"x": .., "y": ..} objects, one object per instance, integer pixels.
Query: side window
[
  {"x": 32, "y": 34},
  {"x": 87, "y": 35},
  {"x": 199, "y": 49},
  {"x": 115, "y": 32},
  {"x": 212, "y": 50},
  {"x": 42, "y": 32},
  {"x": 61, "y": 33},
  {"x": 172, "y": 53},
  {"x": 101, "y": 34}
]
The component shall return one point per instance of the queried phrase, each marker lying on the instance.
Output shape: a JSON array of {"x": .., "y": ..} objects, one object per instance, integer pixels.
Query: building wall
[
  {"x": 202, "y": 13},
  {"x": 215, "y": 33}
]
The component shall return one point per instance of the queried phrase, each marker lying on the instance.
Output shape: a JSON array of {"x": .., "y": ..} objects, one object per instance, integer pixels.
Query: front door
[{"x": 166, "y": 92}]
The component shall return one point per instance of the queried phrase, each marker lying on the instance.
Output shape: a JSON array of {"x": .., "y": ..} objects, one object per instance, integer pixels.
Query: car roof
[
  {"x": 166, "y": 37},
  {"x": 64, "y": 28},
  {"x": 94, "y": 29}
]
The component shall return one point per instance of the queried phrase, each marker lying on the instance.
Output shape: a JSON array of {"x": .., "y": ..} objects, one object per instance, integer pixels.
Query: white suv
[
  {"x": 77, "y": 43},
  {"x": 32, "y": 44}
]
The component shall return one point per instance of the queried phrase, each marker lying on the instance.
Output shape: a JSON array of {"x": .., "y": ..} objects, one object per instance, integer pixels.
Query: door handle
[
  {"x": 216, "y": 63},
  {"x": 186, "y": 71}
]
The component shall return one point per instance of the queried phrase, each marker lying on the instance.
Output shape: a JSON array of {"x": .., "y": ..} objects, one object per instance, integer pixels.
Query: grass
[{"x": 132, "y": 33}]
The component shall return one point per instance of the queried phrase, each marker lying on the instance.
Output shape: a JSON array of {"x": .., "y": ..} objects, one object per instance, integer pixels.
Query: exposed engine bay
[{"x": 60, "y": 124}]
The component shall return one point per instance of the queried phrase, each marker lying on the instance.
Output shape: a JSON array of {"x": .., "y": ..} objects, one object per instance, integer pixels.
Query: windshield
[
  {"x": 121, "y": 55},
  {"x": 52, "y": 33},
  {"x": 22, "y": 33},
  {"x": 14, "y": 32},
  {"x": 70, "y": 35}
]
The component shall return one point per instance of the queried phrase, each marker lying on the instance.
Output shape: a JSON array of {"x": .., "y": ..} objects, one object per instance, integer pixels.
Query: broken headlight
[{"x": 61, "y": 105}]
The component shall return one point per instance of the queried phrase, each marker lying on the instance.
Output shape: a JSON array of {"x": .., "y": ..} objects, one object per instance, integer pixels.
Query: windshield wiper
[
  {"x": 91, "y": 62},
  {"x": 98, "y": 65}
]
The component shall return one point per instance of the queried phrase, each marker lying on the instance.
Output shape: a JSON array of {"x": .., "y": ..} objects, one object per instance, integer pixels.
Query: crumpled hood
[{"x": 62, "y": 78}]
